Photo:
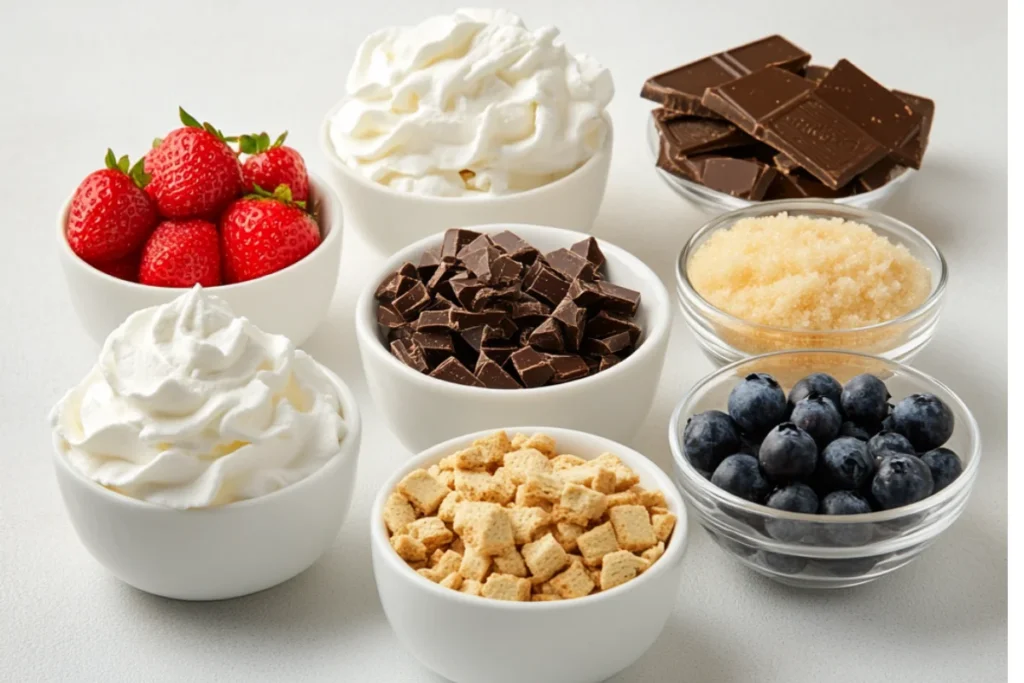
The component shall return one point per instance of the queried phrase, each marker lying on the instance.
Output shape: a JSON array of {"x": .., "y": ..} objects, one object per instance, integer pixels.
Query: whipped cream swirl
[
  {"x": 470, "y": 103},
  {"x": 190, "y": 406}
]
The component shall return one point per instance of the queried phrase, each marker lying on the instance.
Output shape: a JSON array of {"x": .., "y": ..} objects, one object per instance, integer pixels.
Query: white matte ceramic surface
[
  {"x": 293, "y": 301},
  {"x": 219, "y": 552},
  {"x": 422, "y": 410},
  {"x": 469, "y": 639},
  {"x": 390, "y": 220}
]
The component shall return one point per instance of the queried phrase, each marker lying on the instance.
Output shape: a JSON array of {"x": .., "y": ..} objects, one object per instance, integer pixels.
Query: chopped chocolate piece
[
  {"x": 607, "y": 362},
  {"x": 743, "y": 178},
  {"x": 546, "y": 284},
  {"x": 547, "y": 337},
  {"x": 798, "y": 185},
  {"x": 499, "y": 353},
  {"x": 481, "y": 242},
  {"x": 388, "y": 317},
  {"x": 880, "y": 174},
  {"x": 604, "y": 324},
  {"x": 567, "y": 368},
  {"x": 584, "y": 294},
  {"x": 530, "y": 312},
  {"x": 451, "y": 370},
  {"x": 667, "y": 161},
  {"x": 444, "y": 272},
  {"x": 815, "y": 73},
  {"x": 397, "y": 283},
  {"x": 618, "y": 299},
  {"x": 484, "y": 298},
  {"x": 454, "y": 240},
  {"x": 479, "y": 261},
  {"x": 524, "y": 335},
  {"x": 533, "y": 368},
  {"x": 403, "y": 332},
  {"x": 410, "y": 353},
  {"x": 692, "y": 135},
  {"x": 505, "y": 270},
  {"x": 436, "y": 344},
  {"x": 439, "y": 304},
  {"x": 492, "y": 376},
  {"x": 749, "y": 100},
  {"x": 590, "y": 250},
  {"x": 479, "y": 337},
  {"x": 593, "y": 364},
  {"x": 573, "y": 320},
  {"x": 429, "y": 262},
  {"x": 466, "y": 290},
  {"x": 516, "y": 247},
  {"x": 785, "y": 164},
  {"x": 409, "y": 304},
  {"x": 436, "y": 319},
  {"x": 681, "y": 89},
  {"x": 606, "y": 346},
  {"x": 570, "y": 265},
  {"x": 912, "y": 153}
]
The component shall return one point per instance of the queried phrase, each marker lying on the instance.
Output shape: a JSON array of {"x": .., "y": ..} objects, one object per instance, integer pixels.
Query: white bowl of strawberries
[{"x": 251, "y": 225}]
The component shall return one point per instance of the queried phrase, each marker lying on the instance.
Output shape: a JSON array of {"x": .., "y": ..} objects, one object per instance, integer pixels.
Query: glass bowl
[
  {"x": 725, "y": 338},
  {"x": 715, "y": 202},
  {"x": 822, "y": 551}
]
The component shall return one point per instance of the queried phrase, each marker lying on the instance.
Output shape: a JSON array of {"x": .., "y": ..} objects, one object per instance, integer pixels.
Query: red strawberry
[
  {"x": 272, "y": 165},
  {"x": 126, "y": 268},
  {"x": 263, "y": 234},
  {"x": 195, "y": 172},
  {"x": 110, "y": 215},
  {"x": 180, "y": 254}
]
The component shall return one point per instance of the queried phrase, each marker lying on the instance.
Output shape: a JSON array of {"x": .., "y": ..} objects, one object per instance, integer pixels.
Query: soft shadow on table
[{"x": 683, "y": 654}]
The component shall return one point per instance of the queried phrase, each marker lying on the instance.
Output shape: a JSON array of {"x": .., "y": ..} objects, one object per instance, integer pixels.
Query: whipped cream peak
[
  {"x": 471, "y": 102},
  {"x": 190, "y": 406}
]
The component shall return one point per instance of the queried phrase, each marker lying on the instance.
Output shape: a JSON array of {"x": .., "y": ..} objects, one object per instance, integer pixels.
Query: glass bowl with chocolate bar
[
  {"x": 493, "y": 324},
  {"x": 759, "y": 123}
]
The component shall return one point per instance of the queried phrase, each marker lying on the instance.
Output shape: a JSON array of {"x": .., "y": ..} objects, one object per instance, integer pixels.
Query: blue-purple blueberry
[
  {"x": 793, "y": 498},
  {"x": 886, "y": 443},
  {"x": 757, "y": 404},
  {"x": 902, "y": 479},
  {"x": 741, "y": 476},
  {"x": 925, "y": 420},
  {"x": 708, "y": 438},
  {"x": 818, "y": 416},
  {"x": 855, "y": 430},
  {"x": 846, "y": 503},
  {"x": 787, "y": 453},
  {"x": 818, "y": 383},
  {"x": 865, "y": 400},
  {"x": 945, "y": 466},
  {"x": 846, "y": 463}
]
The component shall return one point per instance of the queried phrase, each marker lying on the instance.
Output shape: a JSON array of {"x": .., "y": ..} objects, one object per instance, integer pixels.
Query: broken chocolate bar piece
[
  {"x": 413, "y": 301},
  {"x": 912, "y": 153},
  {"x": 533, "y": 367},
  {"x": 454, "y": 241},
  {"x": 590, "y": 250},
  {"x": 481, "y": 242},
  {"x": 493, "y": 376},
  {"x": 616, "y": 299},
  {"x": 451, "y": 370},
  {"x": 681, "y": 89},
  {"x": 606, "y": 346},
  {"x": 747, "y": 101},
  {"x": 691, "y": 135},
  {"x": 604, "y": 324},
  {"x": 574, "y": 322},
  {"x": 784, "y": 164},
  {"x": 567, "y": 368},
  {"x": 882, "y": 173},
  {"x": 516, "y": 247},
  {"x": 410, "y": 353},
  {"x": 436, "y": 344},
  {"x": 547, "y": 337},
  {"x": 815, "y": 73},
  {"x": 570, "y": 265},
  {"x": 799, "y": 185},
  {"x": 545, "y": 283},
  {"x": 743, "y": 178},
  {"x": 397, "y": 283},
  {"x": 388, "y": 317},
  {"x": 429, "y": 262}
]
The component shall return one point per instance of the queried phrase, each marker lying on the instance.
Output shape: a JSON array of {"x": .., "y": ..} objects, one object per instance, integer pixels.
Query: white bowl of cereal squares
[{"x": 531, "y": 554}]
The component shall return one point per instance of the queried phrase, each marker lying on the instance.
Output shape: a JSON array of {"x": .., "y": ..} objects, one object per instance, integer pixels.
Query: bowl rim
[
  {"x": 868, "y": 217},
  {"x": 936, "y": 500},
  {"x": 336, "y": 162},
  {"x": 674, "y": 550},
  {"x": 334, "y": 227},
  {"x": 348, "y": 448},
  {"x": 661, "y": 312}
]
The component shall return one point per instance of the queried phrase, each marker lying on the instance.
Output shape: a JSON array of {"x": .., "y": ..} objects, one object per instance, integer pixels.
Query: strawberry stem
[
  {"x": 281, "y": 193},
  {"x": 137, "y": 172},
  {"x": 259, "y": 142},
  {"x": 193, "y": 122}
]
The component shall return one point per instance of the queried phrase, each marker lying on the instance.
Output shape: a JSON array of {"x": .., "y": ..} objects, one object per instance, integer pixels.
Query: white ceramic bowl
[
  {"x": 422, "y": 410},
  {"x": 218, "y": 552},
  {"x": 293, "y": 301},
  {"x": 389, "y": 220},
  {"x": 469, "y": 639}
]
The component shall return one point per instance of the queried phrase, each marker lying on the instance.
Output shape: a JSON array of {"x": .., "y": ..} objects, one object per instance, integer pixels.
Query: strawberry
[
  {"x": 180, "y": 254},
  {"x": 272, "y": 165},
  {"x": 111, "y": 215},
  {"x": 261, "y": 234},
  {"x": 195, "y": 173},
  {"x": 125, "y": 268}
]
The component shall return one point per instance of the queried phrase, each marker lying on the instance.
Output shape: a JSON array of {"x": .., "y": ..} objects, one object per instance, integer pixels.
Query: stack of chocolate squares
[
  {"x": 759, "y": 122},
  {"x": 492, "y": 311}
]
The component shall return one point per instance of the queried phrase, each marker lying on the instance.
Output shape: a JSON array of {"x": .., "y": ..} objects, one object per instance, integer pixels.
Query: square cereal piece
[
  {"x": 663, "y": 525},
  {"x": 622, "y": 498},
  {"x": 423, "y": 491},
  {"x": 527, "y": 522},
  {"x": 428, "y": 574},
  {"x": 447, "y": 477},
  {"x": 446, "y": 511},
  {"x": 453, "y": 581},
  {"x": 625, "y": 478},
  {"x": 510, "y": 562},
  {"x": 450, "y": 562},
  {"x": 524, "y": 498},
  {"x": 447, "y": 463},
  {"x": 582, "y": 475},
  {"x": 597, "y": 543},
  {"x": 506, "y": 587},
  {"x": 543, "y": 597},
  {"x": 648, "y": 498},
  {"x": 545, "y": 557},
  {"x": 504, "y": 489},
  {"x": 632, "y": 527},
  {"x": 580, "y": 505},
  {"x": 595, "y": 574},
  {"x": 471, "y": 587},
  {"x": 653, "y": 554},
  {"x": 566, "y": 461},
  {"x": 417, "y": 565},
  {"x": 566, "y": 534},
  {"x": 408, "y": 548},
  {"x": 657, "y": 510},
  {"x": 431, "y": 532},
  {"x": 398, "y": 514},
  {"x": 474, "y": 565},
  {"x": 541, "y": 487},
  {"x": 435, "y": 557},
  {"x": 619, "y": 567},
  {"x": 544, "y": 588},
  {"x": 604, "y": 480},
  {"x": 518, "y": 440},
  {"x": 472, "y": 458},
  {"x": 494, "y": 447},
  {"x": 519, "y": 464},
  {"x": 574, "y": 582},
  {"x": 542, "y": 442},
  {"x": 485, "y": 527},
  {"x": 481, "y": 486},
  {"x": 458, "y": 545}
]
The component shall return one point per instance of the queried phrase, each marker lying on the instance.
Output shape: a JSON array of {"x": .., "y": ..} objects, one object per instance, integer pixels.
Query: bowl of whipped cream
[
  {"x": 202, "y": 458},
  {"x": 466, "y": 119}
]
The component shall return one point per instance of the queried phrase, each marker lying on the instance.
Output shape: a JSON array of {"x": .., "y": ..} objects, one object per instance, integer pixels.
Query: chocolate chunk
[
  {"x": 567, "y": 368},
  {"x": 743, "y": 178},
  {"x": 481, "y": 242},
  {"x": 545, "y": 283},
  {"x": 451, "y": 370},
  {"x": 605, "y": 324},
  {"x": 505, "y": 270},
  {"x": 397, "y": 283},
  {"x": 570, "y": 265},
  {"x": 590, "y": 250},
  {"x": 912, "y": 153},
  {"x": 429, "y": 262},
  {"x": 799, "y": 185},
  {"x": 466, "y": 290},
  {"x": 530, "y": 312},
  {"x": 547, "y": 337},
  {"x": 681, "y": 89},
  {"x": 616, "y": 299},
  {"x": 436, "y": 344},
  {"x": 403, "y": 332},
  {"x": 479, "y": 261},
  {"x": 882, "y": 173},
  {"x": 667, "y": 161},
  {"x": 492, "y": 376},
  {"x": 606, "y": 346},
  {"x": 388, "y": 317},
  {"x": 815, "y": 73},
  {"x": 692, "y": 135},
  {"x": 499, "y": 352},
  {"x": 573, "y": 320},
  {"x": 454, "y": 240},
  {"x": 409, "y": 304},
  {"x": 607, "y": 362},
  {"x": 516, "y": 247},
  {"x": 584, "y": 294},
  {"x": 749, "y": 100},
  {"x": 436, "y": 319},
  {"x": 533, "y": 368},
  {"x": 486, "y": 296},
  {"x": 479, "y": 337},
  {"x": 410, "y": 353},
  {"x": 784, "y": 164},
  {"x": 444, "y": 272},
  {"x": 439, "y": 304}
]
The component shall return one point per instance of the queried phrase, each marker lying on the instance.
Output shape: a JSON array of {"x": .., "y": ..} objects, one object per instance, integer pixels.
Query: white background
[{"x": 75, "y": 80}]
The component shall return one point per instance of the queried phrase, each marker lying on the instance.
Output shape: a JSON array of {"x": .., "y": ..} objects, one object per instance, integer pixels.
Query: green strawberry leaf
[
  {"x": 123, "y": 164},
  {"x": 157, "y": 142},
  {"x": 139, "y": 175},
  {"x": 280, "y": 139},
  {"x": 281, "y": 193},
  {"x": 110, "y": 160},
  {"x": 188, "y": 119},
  {"x": 284, "y": 193},
  {"x": 247, "y": 144},
  {"x": 264, "y": 142}
]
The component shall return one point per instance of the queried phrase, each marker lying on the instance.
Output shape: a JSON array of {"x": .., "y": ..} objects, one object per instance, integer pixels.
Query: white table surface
[{"x": 77, "y": 80}]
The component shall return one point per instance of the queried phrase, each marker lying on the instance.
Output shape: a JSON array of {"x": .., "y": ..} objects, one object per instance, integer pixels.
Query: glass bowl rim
[
  {"x": 868, "y": 217},
  {"x": 934, "y": 501}
]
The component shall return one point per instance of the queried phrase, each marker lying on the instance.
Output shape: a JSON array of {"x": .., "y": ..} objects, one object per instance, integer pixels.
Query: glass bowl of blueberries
[{"x": 824, "y": 469}]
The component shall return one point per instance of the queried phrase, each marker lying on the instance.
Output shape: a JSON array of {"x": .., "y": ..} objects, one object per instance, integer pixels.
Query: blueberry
[
  {"x": 818, "y": 416},
  {"x": 924, "y": 419},
  {"x": 708, "y": 438},
  {"x": 757, "y": 404},
  {"x": 784, "y": 564},
  {"x": 846, "y": 463},
  {"x": 902, "y": 479},
  {"x": 865, "y": 400},
  {"x": 854, "y": 430},
  {"x": 792, "y": 498},
  {"x": 749, "y": 447},
  {"x": 740, "y": 475},
  {"x": 857, "y": 566},
  {"x": 945, "y": 466},
  {"x": 819, "y": 383},
  {"x": 788, "y": 453},
  {"x": 886, "y": 443},
  {"x": 729, "y": 545},
  {"x": 846, "y": 503}
]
